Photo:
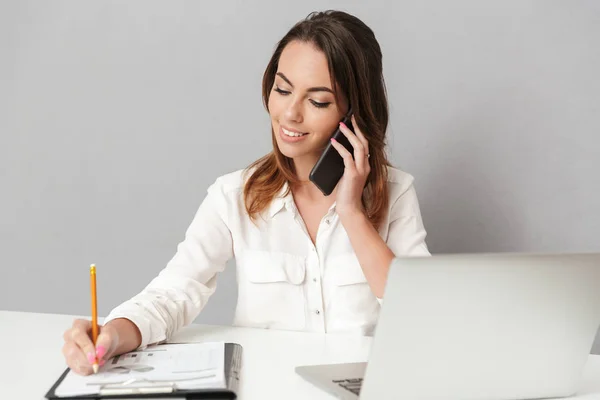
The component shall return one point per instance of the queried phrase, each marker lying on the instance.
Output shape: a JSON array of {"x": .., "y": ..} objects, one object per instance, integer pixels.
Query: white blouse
[{"x": 284, "y": 281}]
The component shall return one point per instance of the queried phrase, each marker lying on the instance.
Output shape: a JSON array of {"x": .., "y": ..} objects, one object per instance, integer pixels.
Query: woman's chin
[
  {"x": 300, "y": 151},
  {"x": 295, "y": 153}
]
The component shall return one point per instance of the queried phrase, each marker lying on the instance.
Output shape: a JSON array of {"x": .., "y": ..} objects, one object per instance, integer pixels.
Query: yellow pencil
[{"x": 94, "y": 313}]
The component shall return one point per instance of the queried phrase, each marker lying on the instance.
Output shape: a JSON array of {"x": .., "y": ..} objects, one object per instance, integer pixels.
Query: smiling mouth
[{"x": 292, "y": 134}]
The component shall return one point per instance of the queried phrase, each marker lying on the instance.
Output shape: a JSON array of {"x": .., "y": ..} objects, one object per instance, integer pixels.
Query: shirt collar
[{"x": 281, "y": 201}]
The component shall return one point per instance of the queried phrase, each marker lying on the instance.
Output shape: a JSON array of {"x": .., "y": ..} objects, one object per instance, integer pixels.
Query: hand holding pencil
[{"x": 87, "y": 344}]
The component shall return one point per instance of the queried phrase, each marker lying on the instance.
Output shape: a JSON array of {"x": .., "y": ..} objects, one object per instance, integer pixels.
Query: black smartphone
[{"x": 329, "y": 169}]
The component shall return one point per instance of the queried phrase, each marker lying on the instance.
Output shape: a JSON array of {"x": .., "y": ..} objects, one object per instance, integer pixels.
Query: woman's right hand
[{"x": 79, "y": 349}]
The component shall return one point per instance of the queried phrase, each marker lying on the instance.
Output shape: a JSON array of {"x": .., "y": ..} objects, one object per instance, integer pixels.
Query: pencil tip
[{"x": 95, "y": 368}]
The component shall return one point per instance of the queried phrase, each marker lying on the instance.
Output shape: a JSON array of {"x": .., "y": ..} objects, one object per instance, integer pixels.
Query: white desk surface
[{"x": 31, "y": 358}]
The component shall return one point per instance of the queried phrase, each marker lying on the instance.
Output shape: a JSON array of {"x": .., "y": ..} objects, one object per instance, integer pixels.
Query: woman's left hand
[{"x": 356, "y": 171}]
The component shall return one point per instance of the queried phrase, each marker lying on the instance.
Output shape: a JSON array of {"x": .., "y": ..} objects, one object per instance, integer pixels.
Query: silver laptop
[{"x": 477, "y": 326}]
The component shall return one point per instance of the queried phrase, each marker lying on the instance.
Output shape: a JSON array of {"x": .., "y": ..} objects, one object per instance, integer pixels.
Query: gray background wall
[{"x": 116, "y": 116}]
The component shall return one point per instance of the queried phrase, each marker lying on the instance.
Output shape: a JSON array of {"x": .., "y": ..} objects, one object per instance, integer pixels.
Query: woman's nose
[{"x": 294, "y": 112}]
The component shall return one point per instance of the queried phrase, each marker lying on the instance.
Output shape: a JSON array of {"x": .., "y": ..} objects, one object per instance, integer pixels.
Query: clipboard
[{"x": 232, "y": 366}]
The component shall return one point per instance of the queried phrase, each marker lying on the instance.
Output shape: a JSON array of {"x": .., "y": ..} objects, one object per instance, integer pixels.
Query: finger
[
  {"x": 354, "y": 141},
  {"x": 76, "y": 359},
  {"x": 106, "y": 344},
  {"x": 360, "y": 135},
  {"x": 77, "y": 324},
  {"x": 359, "y": 151},
  {"x": 346, "y": 155},
  {"x": 80, "y": 334}
]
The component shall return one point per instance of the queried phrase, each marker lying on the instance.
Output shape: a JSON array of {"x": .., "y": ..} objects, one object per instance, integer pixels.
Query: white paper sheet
[{"x": 185, "y": 366}]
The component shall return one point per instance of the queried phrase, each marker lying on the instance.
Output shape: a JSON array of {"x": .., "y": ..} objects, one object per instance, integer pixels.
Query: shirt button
[
  {"x": 317, "y": 312},
  {"x": 314, "y": 279},
  {"x": 327, "y": 221}
]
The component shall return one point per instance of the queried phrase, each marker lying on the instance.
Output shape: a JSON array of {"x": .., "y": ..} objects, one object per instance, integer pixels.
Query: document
[{"x": 176, "y": 366}]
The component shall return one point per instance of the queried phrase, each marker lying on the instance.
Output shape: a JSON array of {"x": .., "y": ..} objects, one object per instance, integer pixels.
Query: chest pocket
[
  {"x": 351, "y": 300},
  {"x": 270, "y": 290}
]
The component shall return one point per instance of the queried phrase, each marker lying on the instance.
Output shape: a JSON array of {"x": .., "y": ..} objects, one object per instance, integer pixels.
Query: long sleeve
[
  {"x": 406, "y": 234},
  {"x": 177, "y": 295}
]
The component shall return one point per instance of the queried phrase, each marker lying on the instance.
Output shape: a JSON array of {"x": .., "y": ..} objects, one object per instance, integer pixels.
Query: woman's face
[{"x": 302, "y": 106}]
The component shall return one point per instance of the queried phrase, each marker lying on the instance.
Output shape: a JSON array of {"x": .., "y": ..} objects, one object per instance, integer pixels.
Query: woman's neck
[
  {"x": 305, "y": 188},
  {"x": 303, "y": 166}
]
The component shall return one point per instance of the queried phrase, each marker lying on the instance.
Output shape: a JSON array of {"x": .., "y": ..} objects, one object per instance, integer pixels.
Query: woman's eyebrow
[{"x": 312, "y": 89}]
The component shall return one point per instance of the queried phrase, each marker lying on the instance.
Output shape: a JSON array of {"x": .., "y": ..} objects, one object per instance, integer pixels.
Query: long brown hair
[{"x": 355, "y": 66}]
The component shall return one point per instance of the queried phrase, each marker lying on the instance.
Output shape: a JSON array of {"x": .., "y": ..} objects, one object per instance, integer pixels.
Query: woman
[{"x": 305, "y": 261}]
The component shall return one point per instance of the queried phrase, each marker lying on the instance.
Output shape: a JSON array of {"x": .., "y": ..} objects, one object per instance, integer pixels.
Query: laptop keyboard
[{"x": 352, "y": 385}]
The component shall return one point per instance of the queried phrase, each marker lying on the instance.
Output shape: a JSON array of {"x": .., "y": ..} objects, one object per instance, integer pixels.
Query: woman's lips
[{"x": 290, "y": 139}]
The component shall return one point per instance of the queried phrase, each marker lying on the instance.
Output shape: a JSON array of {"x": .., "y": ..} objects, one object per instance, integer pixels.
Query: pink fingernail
[
  {"x": 343, "y": 124},
  {"x": 333, "y": 140},
  {"x": 100, "y": 351},
  {"x": 91, "y": 357},
  {"x": 101, "y": 362}
]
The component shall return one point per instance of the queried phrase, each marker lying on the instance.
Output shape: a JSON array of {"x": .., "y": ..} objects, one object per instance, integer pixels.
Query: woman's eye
[
  {"x": 280, "y": 91},
  {"x": 319, "y": 105},
  {"x": 314, "y": 103}
]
